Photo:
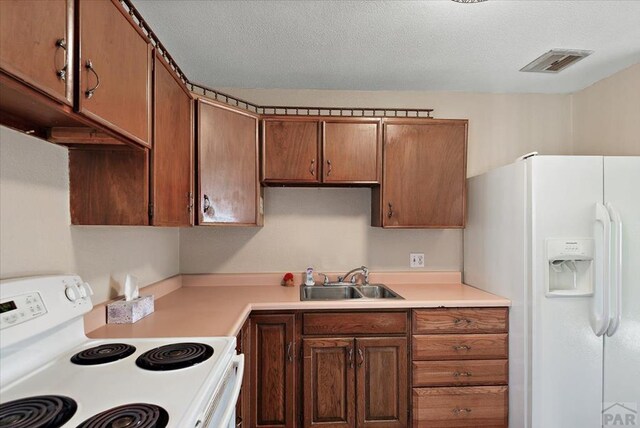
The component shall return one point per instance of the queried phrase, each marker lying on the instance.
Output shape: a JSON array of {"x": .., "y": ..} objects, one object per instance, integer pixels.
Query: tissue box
[{"x": 123, "y": 312}]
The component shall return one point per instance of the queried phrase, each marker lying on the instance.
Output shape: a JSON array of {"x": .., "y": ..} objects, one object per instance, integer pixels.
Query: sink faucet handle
[
  {"x": 365, "y": 272},
  {"x": 325, "y": 281}
]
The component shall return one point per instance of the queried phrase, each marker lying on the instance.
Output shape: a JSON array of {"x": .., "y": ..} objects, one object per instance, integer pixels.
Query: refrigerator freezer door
[
  {"x": 622, "y": 349},
  {"x": 566, "y": 364}
]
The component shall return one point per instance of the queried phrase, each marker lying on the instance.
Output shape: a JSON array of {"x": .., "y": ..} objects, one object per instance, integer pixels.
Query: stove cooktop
[{"x": 103, "y": 376}]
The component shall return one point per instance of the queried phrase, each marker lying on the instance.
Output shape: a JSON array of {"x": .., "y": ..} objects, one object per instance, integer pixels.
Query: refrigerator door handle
[
  {"x": 616, "y": 290},
  {"x": 600, "y": 315}
]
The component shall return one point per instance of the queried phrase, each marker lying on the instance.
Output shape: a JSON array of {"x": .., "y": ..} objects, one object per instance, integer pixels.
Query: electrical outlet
[{"x": 416, "y": 260}]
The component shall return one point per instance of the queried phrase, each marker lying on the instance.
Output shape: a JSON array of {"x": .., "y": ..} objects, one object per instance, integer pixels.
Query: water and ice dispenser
[{"x": 569, "y": 267}]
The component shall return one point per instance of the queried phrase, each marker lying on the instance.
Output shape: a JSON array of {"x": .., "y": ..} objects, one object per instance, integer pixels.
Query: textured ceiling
[{"x": 394, "y": 45}]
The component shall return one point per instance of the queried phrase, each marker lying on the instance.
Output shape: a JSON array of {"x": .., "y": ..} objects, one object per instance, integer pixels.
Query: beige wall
[
  {"x": 35, "y": 235},
  {"x": 606, "y": 116},
  {"x": 329, "y": 228},
  {"x": 320, "y": 227}
]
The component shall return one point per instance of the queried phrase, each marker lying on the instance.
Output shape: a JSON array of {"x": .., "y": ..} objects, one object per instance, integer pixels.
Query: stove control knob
[
  {"x": 71, "y": 292},
  {"x": 86, "y": 289}
]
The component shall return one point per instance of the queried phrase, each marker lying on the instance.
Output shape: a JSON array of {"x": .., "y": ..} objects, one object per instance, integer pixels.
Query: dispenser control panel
[{"x": 569, "y": 267}]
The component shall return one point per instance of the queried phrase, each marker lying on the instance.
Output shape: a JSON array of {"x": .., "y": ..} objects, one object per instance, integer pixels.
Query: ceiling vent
[{"x": 555, "y": 60}]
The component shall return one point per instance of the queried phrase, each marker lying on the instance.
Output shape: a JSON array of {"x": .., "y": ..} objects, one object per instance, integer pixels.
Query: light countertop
[{"x": 220, "y": 310}]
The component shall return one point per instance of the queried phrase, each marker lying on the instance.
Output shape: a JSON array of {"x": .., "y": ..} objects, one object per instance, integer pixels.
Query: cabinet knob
[
  {"x": 330, "y": 168},
  {"x": 62, "y": 72},
  {"x": 89, "y": 66},
  {"x": 312, "y": 167},
  {"x": 206, "y": 205}
]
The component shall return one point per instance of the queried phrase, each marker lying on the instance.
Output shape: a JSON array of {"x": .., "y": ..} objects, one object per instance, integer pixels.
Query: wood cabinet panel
[
  {"x": 273, "y": 371},
  {"x": 328, "y": 383},
  {"x": 228, "y": 186},
  {"x": 424, "y": 173},
  {"x": 332, "y": 323},
  {"x": 120, "y": 71},
  {"x": 460, "y": 347},
  {"x": 351, "y": 151},
  {"x": 382, "y": 382},
  {"x": 243, "y": 406},
  {"x": 290, "y": 151},
  {"x": 109, "y": 186},
  {"x": 457, "y": 373},
  {"x": 172, "y": 154},
  {"x": 37, "y": 41},
  {"x": 460, "y": 320},
  {"x": 477, "y": 406}
]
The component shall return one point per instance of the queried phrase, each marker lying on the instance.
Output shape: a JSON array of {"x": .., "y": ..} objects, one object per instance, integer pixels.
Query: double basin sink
[{"x": 346, "y": 291}]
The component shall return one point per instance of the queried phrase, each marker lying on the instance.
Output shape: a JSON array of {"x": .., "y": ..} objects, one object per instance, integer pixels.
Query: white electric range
[{"x": 52, "y": 375}]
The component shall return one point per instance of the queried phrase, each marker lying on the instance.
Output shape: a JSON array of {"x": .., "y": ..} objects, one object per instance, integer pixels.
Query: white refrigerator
[{"x": 560, "y": 237}]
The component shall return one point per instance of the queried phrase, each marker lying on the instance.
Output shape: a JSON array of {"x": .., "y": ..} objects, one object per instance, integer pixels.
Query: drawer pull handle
[
  {"x": 330, "y": 168},
  {"x": 62, "y": 73},
  {"x": 350, "y": 357},
  {"x": 89, "y": 92},
  {"x": 361, "y": 357},
  {"x": 463, "y": 374},
  {"x": 459, "y": 412},
  {"x": 461, "y": 347},
  {"x": 312, "y": 167},
  {"x": 458, "y": 321},
  {"x": 289, "y": 352}
]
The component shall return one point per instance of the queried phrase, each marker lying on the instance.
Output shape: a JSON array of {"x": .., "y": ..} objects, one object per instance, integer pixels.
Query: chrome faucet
[{"x": 363, "y": 269}]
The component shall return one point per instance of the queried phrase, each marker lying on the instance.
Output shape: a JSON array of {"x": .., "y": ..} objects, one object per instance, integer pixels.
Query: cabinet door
[
  {"x": 172, "y": 150},
  {"x": 351, "y": 151},
  {"x": 115, "y": 70},
  {"x": 382, "y": 381},
  {"x": 290, "y": 151},
  {"x": 229, "y": 190},
  {"x": 329, "y": 383},
  {"x": 37, "y": 44},
  {"x": 424, "y": 174},
  {"x": 272, "y": 371}
]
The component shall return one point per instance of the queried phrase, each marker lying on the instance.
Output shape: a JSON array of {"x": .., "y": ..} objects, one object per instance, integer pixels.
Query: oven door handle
[{"x": 238, "y": 362}]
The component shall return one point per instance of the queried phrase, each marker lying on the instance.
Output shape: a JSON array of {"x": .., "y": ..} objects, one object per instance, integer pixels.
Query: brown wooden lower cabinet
[
  {"x": 355, "y": 382},
  {"x": 273, "y": 367},
  {"x": 472, "y": 406},
  {"x": 329, "y": 382}
]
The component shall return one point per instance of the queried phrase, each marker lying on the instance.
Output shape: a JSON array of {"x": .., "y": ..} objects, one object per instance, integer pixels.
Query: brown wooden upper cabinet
[
  {"x": 424, "y": 174},
  {"x": 172, "y": 154},
  {"x": 318, "y": 150},
  {"x": 229, "y": 190},
  {"x": 290, "y": 151},
  {"x": 114, "y": 76},
  {"x": 37, "y": 45}
]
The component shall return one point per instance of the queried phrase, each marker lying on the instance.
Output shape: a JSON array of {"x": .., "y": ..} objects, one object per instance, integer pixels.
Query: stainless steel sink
[
  {"x": 346, "y": 292},
  {"x": 377, "y": 291},
  {"x": 315, "y": 292}
]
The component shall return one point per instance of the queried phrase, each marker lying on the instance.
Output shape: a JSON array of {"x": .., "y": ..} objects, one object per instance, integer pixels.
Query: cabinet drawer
[
  {"x": 355, "y": 323},
  {"x": 460, "y": 320},
  {"x": 460, "y": 347},
  {"x": 455, "y": 373},
  {"x": 471, "y": 406}
]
